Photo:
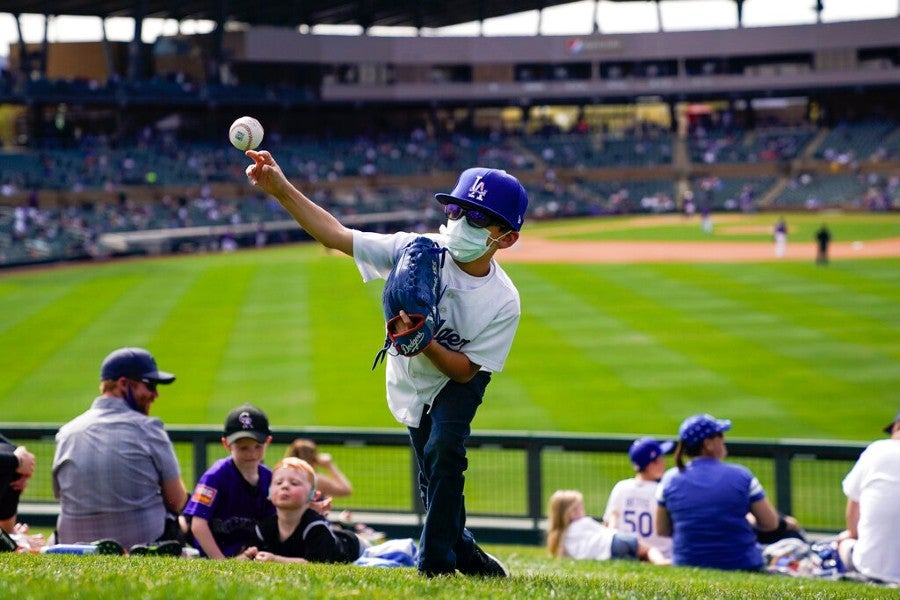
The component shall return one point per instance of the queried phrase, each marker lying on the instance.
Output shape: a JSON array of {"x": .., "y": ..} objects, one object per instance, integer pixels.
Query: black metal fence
[{"x": 510, "y": 475}]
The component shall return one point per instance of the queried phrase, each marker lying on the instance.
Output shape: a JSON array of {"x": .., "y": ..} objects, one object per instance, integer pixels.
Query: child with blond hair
[
  {"x": 297, "y": 533},
  {"x": 571, "y": 533}
]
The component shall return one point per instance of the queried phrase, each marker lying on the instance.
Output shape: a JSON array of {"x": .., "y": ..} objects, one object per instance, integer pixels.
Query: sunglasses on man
[
  {"x": 151, "y": 385},
  {"x": 473, "y": 217}
]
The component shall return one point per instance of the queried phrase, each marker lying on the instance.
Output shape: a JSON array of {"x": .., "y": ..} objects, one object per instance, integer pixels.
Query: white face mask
[{"x": 467, "y": 243}]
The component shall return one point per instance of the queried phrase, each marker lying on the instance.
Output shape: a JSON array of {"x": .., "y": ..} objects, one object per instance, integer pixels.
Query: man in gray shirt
[{"x": 115, "y": 472}]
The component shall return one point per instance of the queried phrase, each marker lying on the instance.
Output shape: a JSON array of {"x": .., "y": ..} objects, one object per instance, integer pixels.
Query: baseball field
[{"x": 629, "y": 325}]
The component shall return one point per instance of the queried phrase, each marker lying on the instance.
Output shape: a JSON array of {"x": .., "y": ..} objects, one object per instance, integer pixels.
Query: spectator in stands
[
  {"x": 704, "y": 505},
  {"x": 115, "y": 472},
  {"x": 871, "y": 543},
  {"x": 823, "y": 239},
  {"x": 231, "y": 497},
  {"x": 631, "y": 507},
  {"x": 334, "y": 483},
  {"x": 571, "y": 533},
  {"x": 297, "y": 532},
  {"x": 16, "y": 468}
]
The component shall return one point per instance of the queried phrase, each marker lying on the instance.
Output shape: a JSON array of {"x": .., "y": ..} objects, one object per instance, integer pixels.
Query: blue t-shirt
[
  {"x": 708, "y": 503},
  {"x": 231, "y": 505}
]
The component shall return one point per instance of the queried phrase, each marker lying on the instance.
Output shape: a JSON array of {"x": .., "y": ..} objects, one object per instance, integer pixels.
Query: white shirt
[
  {"x": 479, "y": 318},
  {"x": 587, "y": 538},
  {"x": 634, "y": 502},
  {"x": 874, "y": 482}
]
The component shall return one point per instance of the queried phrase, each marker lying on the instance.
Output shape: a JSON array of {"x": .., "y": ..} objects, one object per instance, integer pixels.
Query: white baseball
[{"x": 245, "y": 133}]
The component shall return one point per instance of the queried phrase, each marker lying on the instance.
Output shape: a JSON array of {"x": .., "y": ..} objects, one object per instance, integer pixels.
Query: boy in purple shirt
[{"x": 232, "y": 495}]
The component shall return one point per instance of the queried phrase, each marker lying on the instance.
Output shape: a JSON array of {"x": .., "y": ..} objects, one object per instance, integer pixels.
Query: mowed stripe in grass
[
  {"x": 573, "y": 358},
  {"x": 601, "y": 348},
  {"x": 58, "y": 349},
  {"x": 800, "y": 341},
  {"x": 685, "y": 341},
  {"x": 347, "y": 330},
  {"x": 270, "y": 336},
  {"x": 633, "y": 347}
]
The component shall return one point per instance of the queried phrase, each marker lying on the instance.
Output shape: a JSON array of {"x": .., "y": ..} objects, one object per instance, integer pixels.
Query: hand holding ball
[{"x": 246, "y": 133}]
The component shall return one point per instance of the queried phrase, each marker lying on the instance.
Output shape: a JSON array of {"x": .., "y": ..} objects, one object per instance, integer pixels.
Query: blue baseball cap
[
  {"x": 645, "y": 450},
  {"x": 697, "y": 428},
  {"x": 492, "y": 191},
  {"x": 134, "y": 363}
]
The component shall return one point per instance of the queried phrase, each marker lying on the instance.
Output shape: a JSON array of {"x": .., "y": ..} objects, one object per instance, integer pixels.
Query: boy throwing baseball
[{"x": 437, "y": 392}]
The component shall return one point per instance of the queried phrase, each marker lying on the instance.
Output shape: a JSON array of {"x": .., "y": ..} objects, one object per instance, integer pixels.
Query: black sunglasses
[
  {"x": 151, "y": 385},
  {"x": 475, "y": 218}
]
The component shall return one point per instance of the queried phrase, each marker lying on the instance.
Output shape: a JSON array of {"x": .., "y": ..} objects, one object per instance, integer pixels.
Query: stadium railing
[{"x": 510, "y": 477}]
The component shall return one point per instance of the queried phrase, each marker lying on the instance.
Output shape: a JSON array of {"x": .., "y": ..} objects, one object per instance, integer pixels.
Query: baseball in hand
[{"x": 245, "y": 133}]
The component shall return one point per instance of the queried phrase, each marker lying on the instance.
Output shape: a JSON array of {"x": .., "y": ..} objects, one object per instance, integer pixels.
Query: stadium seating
[
  {"x": 856, "y": 141},
  {"x": 364, "y": 175}
]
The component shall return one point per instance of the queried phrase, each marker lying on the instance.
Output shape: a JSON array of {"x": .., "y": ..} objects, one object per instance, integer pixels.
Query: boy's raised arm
[{"x": 265, "y": 174}]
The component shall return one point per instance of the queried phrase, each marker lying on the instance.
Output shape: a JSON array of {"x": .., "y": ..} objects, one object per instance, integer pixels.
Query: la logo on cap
[{"x": 477, "y": 191}]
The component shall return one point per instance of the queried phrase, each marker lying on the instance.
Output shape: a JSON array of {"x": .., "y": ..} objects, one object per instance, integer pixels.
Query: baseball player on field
[
  {"x": 631, "y": 507},
  {"x": 436, "y": 392}
]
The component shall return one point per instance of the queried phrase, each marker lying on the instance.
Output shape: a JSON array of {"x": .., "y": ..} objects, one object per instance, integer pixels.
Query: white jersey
[
  {"x": 479, "y": 317},
  {"x": 587, "y": 538},
  {"x": 634, "y": 503},
  {"x": 874, "y": 482}
]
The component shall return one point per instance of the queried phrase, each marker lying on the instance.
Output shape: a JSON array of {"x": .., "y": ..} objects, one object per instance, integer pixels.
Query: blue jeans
[{"x": 440, "y": 446}]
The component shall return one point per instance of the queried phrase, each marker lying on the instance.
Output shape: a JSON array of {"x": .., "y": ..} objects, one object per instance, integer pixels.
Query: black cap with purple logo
[{"x": 247, "y": 421}]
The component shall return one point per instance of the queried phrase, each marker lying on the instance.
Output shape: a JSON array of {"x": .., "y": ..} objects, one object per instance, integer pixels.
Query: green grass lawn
[
  {"x": 802, "y": 227},
  {"x": 534, "y": 576},
  {"x": 784, "y": 349}
]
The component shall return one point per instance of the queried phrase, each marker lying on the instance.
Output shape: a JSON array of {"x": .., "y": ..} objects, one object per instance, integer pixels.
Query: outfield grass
[
  {"x": 534, "y": 576},
  {"x": 784, "y": 349},
  {"x": 802, "y": 227}
]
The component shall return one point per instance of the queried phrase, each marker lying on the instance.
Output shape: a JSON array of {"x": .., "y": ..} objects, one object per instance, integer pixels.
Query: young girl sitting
[
  {"x": 297, "y": 533},
  {"x": 574, "y": 534}
]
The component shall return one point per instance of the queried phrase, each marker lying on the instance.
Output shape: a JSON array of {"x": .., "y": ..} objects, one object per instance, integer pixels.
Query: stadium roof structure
[{"x": 292, "y": 13}]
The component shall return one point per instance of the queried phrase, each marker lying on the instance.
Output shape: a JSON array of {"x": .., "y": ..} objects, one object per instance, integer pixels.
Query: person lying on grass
[
  {"x": 297, "y": 533},
  {"x": 574, "y": 534}
]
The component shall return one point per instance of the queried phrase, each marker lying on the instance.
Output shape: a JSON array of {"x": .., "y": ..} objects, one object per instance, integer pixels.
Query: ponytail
[{"x": 682, "y": 449}]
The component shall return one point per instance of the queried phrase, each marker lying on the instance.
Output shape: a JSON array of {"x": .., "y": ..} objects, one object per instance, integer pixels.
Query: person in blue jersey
[{"x": 703, "y": 505}]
